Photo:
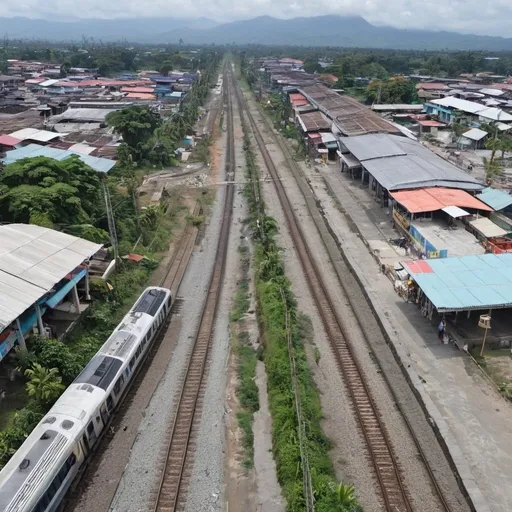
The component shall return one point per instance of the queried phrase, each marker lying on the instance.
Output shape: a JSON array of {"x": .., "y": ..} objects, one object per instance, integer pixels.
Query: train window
[
  {"x": 117, "y": 387},
  {"x": 90, "y": 428},
  {"x": 110, "y": 403},
  {"x": 139, "y": 350},
  {"x": 71, "y": 461},
  {"x": 132, "y": 362}
]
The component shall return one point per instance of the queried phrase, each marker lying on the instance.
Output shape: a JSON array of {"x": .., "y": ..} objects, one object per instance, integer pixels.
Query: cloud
[{"x": 469, "y": 16}]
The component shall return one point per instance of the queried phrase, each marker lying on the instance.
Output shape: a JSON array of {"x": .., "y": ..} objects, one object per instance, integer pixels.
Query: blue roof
[
  {"x": 496, "y": 199},
  {"x": 470, "y": 282},
  {"x": 32, "y": 150}
]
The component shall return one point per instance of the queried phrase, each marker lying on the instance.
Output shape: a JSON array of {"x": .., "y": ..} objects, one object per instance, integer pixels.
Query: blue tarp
[
  {"x": 60, "y": 294},
  {"x": 99, "y": 164}
]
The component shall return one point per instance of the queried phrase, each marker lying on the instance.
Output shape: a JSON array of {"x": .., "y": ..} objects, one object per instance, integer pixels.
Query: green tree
[
  {"x": 44, "y": 191},
  {"x": 136, "y": 124},
  {"x": 166, "y": 67},
  {"x": 311, "y": 65},
  {"x": 45, "y": 385}
]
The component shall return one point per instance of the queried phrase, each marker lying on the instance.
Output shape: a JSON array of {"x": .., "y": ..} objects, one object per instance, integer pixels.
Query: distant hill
[
  {"x": 352, "y": 31},
  {"x": 133, "y": 30},
  {"x": 348, "y": 31}
]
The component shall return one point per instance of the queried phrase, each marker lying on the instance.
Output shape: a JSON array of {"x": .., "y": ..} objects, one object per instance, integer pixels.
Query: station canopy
[{"x": 476, "y": 282}]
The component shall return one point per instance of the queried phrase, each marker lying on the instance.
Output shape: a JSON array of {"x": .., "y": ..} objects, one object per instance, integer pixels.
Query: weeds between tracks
[{"x": 300, "y": 448}]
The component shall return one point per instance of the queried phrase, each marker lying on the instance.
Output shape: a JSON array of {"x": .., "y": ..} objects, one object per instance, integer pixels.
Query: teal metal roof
[
  {"x": 495, "y": 198},
  {"x": 32, "y": 150},
  {"x": 470, "y": 282}
]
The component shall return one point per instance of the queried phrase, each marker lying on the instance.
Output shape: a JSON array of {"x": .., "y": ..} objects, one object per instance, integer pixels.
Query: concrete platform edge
[{"x": 441, "y": 428}]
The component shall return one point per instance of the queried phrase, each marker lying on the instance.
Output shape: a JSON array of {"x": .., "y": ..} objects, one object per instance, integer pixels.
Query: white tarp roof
[
  {"x": 492, "y": 92},
  {"x": 84, "y": 149},
  {"x": 503, "y": 127},
  {"x": 496, "y": 114},
  {"x": 455, "y": 211},
  {"x": 32, "y": 261},
  {"x": 475, "y": 134},
  {"x": 487, "y": 227},
  {"x": 34, "y": 134}
]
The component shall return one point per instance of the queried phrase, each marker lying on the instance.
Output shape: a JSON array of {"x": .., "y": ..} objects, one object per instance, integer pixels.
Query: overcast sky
[{"x": 491, "y": 17}]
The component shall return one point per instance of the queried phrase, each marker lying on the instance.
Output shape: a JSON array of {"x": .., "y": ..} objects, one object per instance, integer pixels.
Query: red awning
[
  {"x": 433, "y": 199},
  {"x": 7, "y": 140}
]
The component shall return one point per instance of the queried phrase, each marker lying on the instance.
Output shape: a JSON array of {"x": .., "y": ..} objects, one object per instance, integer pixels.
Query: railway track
[
  {"x": 172, "y": 486},
  {"x": 394, "y": 494},
  {"x": 180, "y": 258}
]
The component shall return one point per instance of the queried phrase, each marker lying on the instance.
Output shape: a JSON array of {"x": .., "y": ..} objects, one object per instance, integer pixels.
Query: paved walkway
[{"x": 473, "y": 419}]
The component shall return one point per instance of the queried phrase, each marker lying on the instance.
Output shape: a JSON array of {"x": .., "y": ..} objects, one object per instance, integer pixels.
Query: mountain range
[{"x": 345, "y": 31}]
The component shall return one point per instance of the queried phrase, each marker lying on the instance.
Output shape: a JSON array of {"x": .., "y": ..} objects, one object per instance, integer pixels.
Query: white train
[{"x": 41, "y": 471}]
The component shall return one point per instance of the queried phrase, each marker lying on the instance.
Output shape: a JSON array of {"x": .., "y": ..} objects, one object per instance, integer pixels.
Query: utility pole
[
  {"x": 111, "y": 222},
  {"x": 379, "y": 93}
]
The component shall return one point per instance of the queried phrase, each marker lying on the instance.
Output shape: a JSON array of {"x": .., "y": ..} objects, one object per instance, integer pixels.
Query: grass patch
[
  {"x": 290, "y": 385},
  {"x": 248, "y": 396},
  {"x": 195, "y": 220},
  {"x": 247, "y": 390},
  {"x": 241, "y": 302}
]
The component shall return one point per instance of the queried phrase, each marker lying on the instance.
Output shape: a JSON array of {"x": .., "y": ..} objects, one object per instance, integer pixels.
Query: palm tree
[
  {"x": 345, "y": 496},
  {"x": 44, "y": 384},
  {"x": 492, "y": 170},
  {"x": 505, "y": 147},
  {"x": 24, "y": 359},
  {"x": 494, "y": 145}
]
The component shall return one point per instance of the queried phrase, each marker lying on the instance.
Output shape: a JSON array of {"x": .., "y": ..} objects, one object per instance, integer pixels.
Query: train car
[{"x": 41, "y": 471}]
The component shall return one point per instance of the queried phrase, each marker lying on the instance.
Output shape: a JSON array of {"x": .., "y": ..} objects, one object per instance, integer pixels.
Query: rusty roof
[
  {"x": 26, "y": 119},
  {"x": 313, "y": 122},
  {"x": 350, "y": 116}
]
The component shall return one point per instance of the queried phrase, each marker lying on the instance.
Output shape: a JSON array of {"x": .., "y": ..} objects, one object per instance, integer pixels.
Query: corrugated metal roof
[
  {"x": 140, "y": 96},
  {"x": 428, "y": 122},
  {"x": 34, "y": 134},
  {"x": 475, "y": 134},
  {"x": 492, "y": 92},
  {"x": 414, "y": 167},
  {"x": 32, "y": 261},
  {"x": 433, "y": 199},
  {"x": 83, "y": 114},
  {"x": 313, "y": 121},
  {"x": 496, "y": 114},
  {"x": 350, "y": 117},
  {"x": 83, "y": 149},
  {"x": 487, "y": 228},
  {"x": 469, "y": 282},
  {"x": 397, "y": 106},
  {"x": 399, "y": 173},
  {"x": 376, "y": 145},
  {"x": 496, "y": 199},
  {"x": 33, "y": 150},
  {"x": 7, "y": 140},
  {"x": 433, "y": 86}
]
